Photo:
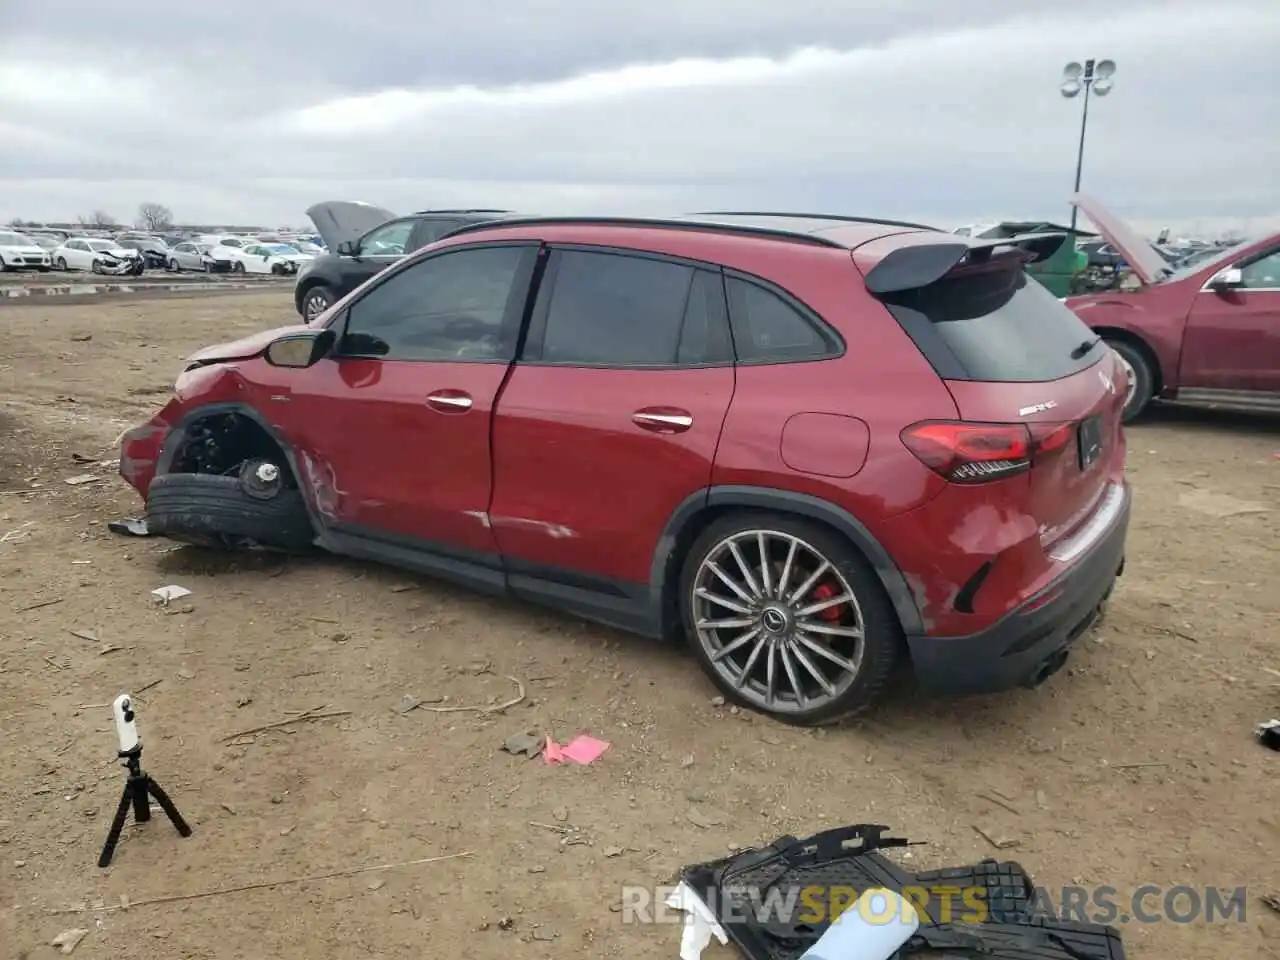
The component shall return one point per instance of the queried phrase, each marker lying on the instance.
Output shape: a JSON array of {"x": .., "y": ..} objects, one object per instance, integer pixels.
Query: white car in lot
[
  {"x": 98, "y": 256},
  {"x": 19, "y": 252},
  {"x": 279, "y": 259}
]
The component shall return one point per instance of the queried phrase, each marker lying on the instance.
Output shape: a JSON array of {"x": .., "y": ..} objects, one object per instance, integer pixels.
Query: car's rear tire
[
  {"x": 218, "y": 511},
  {"x": 788, "y": 615},
  {"x": 316, "y": 301},
  {"x": 1141, "y": 378}
]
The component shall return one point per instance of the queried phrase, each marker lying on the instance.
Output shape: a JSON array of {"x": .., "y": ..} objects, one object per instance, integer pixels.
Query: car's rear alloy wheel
[{"x": 787, "y": 618}]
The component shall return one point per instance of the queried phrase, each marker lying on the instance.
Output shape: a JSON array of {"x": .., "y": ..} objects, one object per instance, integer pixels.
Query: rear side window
[
  {"x": 768, "y": 328},
  {"x": 615, "y": 310},
  {"x": 993, "y": 325}
]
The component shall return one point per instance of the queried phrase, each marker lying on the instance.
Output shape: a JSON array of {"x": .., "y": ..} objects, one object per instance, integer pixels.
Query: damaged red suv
[{"x": 815, "y": 447}]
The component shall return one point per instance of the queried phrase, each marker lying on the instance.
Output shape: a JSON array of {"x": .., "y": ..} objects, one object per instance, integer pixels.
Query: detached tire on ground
[{"x": 210, "y": 510}]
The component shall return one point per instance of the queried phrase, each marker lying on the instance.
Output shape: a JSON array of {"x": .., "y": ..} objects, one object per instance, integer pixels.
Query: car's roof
[{"x": 827, "y": 230}]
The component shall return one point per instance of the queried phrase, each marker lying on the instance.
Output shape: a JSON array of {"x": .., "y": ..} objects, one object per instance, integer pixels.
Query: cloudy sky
[{"x": 239, "y": 111}]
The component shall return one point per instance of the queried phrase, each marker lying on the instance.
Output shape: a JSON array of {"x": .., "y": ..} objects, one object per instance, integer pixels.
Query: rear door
[
  {"x": 1232, "y": 340},
  {"x": 611, "y": 417},
  {"x": 1011, "y": 353}
]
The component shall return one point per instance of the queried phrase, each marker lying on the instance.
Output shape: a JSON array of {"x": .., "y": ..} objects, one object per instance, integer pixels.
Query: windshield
[
  {"x": 101, "y": 245},
  {"x": 14, "y": 240},
  {"x": 1196, "y": 263}
]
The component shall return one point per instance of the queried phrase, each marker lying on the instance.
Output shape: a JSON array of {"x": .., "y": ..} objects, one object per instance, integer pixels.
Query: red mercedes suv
[{"x": 814, "y": 446}]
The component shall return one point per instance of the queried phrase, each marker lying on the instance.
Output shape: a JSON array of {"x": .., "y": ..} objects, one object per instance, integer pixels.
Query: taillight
[{"x": 967, "y": 452}]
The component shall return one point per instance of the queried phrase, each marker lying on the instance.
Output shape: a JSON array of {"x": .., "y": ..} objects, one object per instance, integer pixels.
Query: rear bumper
[{"x": 1029, "y": 644}]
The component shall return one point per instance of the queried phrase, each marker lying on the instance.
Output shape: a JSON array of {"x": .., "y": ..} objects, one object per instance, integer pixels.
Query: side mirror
[
  {"x": 300, "y": 349},
  {"x": 348, "y": 248},
  {"x": 1228, "y": 279}
]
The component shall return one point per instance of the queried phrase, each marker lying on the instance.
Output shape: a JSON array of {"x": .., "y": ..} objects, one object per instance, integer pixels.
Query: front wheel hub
[{"x": 261, "y": 479}]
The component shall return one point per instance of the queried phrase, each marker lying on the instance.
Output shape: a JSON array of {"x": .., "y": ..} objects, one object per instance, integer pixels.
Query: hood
[
  {"x": 120, "y": 253},
  {"x": 1137, "y": 252},
  {"x": 23, "y": 248},
  {"x": 338, "y": 221},
  {"x": 243, "y": 348}
]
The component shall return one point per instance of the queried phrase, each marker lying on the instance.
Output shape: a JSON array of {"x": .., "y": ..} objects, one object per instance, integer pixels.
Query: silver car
[{"x": 195, "y": 256}]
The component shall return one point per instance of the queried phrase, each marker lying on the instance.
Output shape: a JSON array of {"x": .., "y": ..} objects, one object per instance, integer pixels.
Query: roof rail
[
  {"x": 465, "y": 210},
  {"x": 841, "y": 218},
  {"x": 655, "y": 223}
]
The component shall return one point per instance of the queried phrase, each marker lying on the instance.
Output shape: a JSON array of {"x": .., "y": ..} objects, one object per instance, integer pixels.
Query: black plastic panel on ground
[{"x": 848, "y": 857}]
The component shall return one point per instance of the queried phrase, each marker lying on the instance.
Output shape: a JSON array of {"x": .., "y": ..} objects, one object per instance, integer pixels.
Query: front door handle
[
  {"x": 663, "y": 419},
  {"x": 449, "y": 401}
]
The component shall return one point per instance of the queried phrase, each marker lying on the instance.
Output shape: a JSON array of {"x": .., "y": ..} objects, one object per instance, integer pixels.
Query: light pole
[{"x": 1096, "y": 77}]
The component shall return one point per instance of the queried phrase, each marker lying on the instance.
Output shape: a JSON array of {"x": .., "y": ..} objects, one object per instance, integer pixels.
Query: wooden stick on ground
[
  {"x": 496, "y": 708},
  {"x": 308, "y": 715},
  {"x": 222, "y": 891}
]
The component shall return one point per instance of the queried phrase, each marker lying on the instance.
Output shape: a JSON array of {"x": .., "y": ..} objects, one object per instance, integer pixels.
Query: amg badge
[{"x": 1037, "y": 408}]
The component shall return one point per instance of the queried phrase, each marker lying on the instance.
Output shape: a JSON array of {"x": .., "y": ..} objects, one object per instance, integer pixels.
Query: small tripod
[{"x": 137, "y": 789}]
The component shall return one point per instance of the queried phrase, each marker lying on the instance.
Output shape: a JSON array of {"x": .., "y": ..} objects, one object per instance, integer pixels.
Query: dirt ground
[{"x": 1135, "y": 766}]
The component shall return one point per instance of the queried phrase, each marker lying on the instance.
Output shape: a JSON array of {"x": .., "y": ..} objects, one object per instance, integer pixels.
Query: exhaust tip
[{"x": 1047, "y": 669}]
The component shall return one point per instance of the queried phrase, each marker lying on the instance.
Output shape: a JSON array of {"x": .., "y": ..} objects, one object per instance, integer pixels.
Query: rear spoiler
[{"x": 918, "y": 265}]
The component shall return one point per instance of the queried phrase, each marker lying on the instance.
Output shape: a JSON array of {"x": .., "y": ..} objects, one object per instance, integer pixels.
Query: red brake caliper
[{"x": 825, "y": 591}]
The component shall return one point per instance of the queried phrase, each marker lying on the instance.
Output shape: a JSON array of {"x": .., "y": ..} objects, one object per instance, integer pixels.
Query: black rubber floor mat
[{"x": 775, "y": 902}]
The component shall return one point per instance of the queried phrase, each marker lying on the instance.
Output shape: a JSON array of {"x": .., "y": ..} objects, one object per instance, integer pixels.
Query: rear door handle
[
  {"x": 449, "y": 401},
  {"x": 663, "y": 419}
]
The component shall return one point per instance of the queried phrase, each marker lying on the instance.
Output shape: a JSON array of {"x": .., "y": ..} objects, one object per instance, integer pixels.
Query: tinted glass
[
  {"x": 389, "y": 240},
  {"x": 610, "y": 309},
  {"x": 449, "y": 307},
  {"x": 996, "y": 326},
  {"x": 1262, "y": 274},
  {"x": 767, "y": 327}
]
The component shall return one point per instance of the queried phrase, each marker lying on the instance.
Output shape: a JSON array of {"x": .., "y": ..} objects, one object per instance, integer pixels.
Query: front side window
[
  {"x": 388, "y": 240},
  {"x": 1263, "y": 273},
  {"x": 617, "y": 310},
  {"x": 449, "y": 307}
]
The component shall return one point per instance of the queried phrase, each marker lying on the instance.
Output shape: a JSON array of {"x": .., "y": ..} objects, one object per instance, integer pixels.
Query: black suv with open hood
[{"x": 364, "y": 239}]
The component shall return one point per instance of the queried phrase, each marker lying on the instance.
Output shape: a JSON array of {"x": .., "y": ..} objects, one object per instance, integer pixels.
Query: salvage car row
[{"x": 131, "y": 254}]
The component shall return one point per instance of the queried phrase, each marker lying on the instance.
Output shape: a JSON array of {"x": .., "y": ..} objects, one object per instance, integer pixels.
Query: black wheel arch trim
[
  {"x": 802, "y": 505},
  {"x": 172, "y": 443}
]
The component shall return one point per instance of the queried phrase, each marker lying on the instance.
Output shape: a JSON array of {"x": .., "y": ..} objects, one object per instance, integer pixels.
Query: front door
[
  {"x": 1233, "y": 336},
  {"x": 609, "y": 421},
  {"x": 394, "y": 428}
]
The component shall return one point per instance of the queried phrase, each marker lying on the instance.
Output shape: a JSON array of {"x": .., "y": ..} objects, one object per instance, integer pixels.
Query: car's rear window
[{"x": 993, "y": 325}]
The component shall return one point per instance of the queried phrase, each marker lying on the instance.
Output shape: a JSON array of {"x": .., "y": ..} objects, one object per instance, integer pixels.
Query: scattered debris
[
  {"x": 306, "y": 715},
  {"x": 68, "y": 940},
  {"x": 39, "y": 604},
  {"x": 700, "y": 925},
  {"x": 997, "y": 840},
  {"x": 1219, "y": 505},
  {"x": 18, "y": 533},
  {"x": 526, "y": 743},
  {"x": 1269, "y": 734},
  {"x": 85, "y": 635},
  {"x": 581, "y": 750},
  {"x": 998, "y": 802},
  {"x": 406, "y": 703},
  {"x": 612, "y": 852},
  {"x": 186, "y": 673},
  {"x": 704, "y": 818},
  {"x": 81, "y": 479},
  {"x": 242, "y": 702},
  {"x": 108, "y": 648},
  {"x": 147, "y": 686},
  {"x": 544, "y": 933},
  {"x": 267, "y": 884},
  {"x": 133, "y": 527},
  {"x": 170, "y": 593},
  {"x": 59, "y": 663},
  {"x": 1271, "y": 900},
  {"x": 495, "y": 708},
  {"x": 561, "y": 814}
]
